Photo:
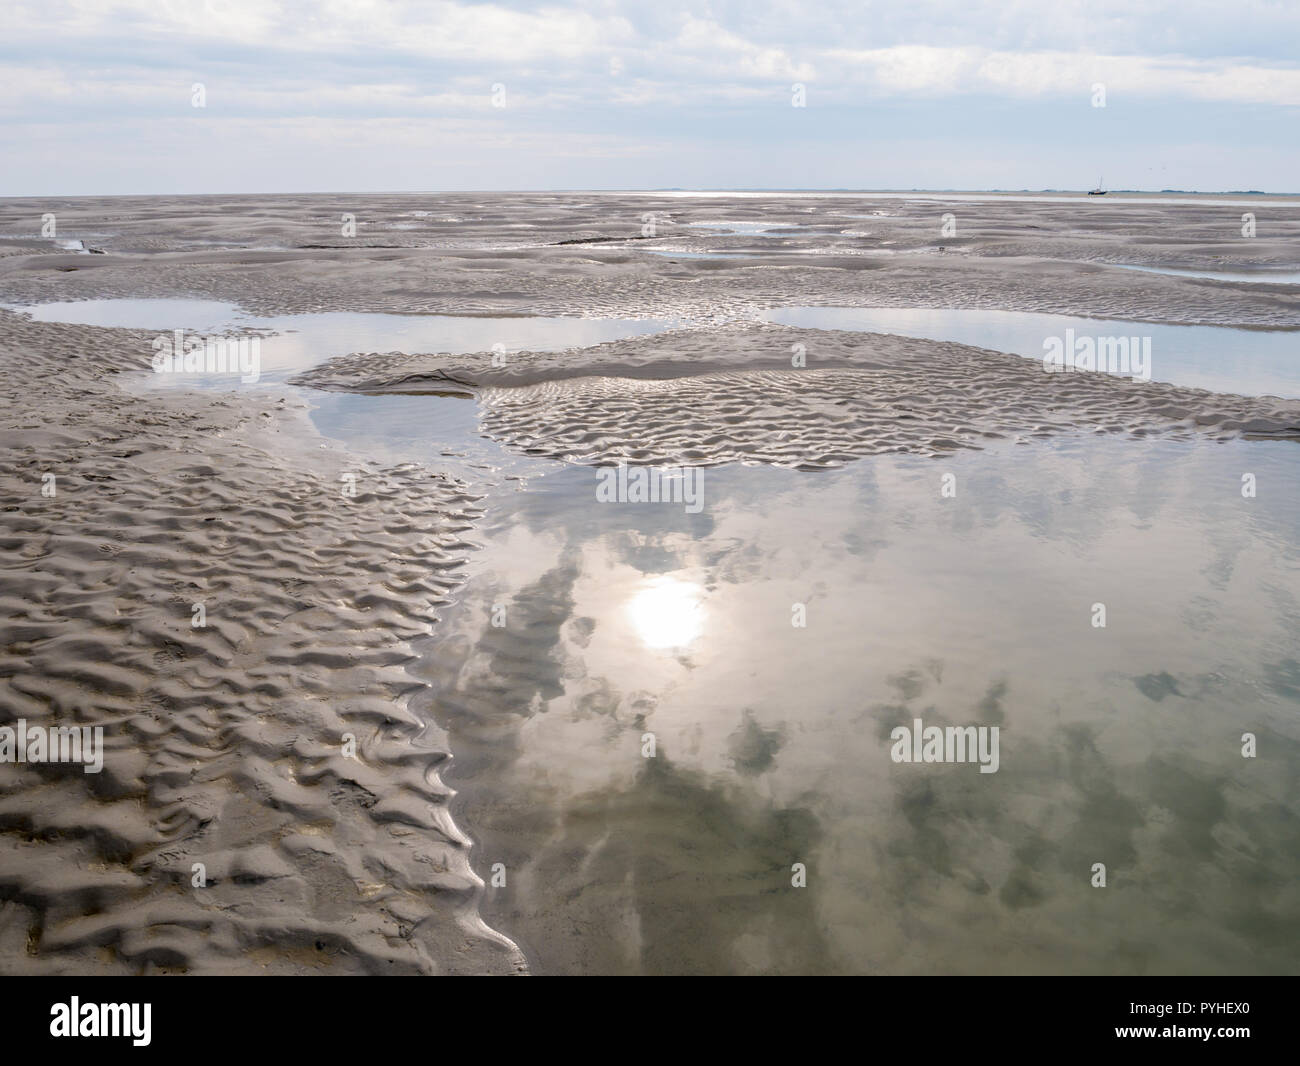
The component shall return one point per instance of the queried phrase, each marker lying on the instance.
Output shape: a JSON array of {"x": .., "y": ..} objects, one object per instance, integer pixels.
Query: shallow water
[
  {"x": 1220, "y": 358},
  {"x": 441, "y": 431},
  {"x": 142, "y": 313},
  {"x": 742, "y": 228},
  {"x": 772, "y": 253},
  {"x": 1257, "y": 277},
  {"x": 304, "y": 341},
  {"x": 1252, "y": 362},
  {"x": 669, "y": 254},
  {"x": 1119, "y": 745}
]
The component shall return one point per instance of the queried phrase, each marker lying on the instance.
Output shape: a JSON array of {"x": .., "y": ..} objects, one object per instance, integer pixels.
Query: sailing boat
[{"x": 1100, "y": 190}]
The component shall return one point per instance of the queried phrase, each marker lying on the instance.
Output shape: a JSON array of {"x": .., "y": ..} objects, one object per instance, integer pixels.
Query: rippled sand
[
  {"x": 502, "y": 254},
  {"x": 224, "y": 743},
  {"x": 721, "y": 395}
]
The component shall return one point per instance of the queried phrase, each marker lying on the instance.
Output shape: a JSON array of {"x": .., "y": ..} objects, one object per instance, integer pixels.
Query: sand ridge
[{"x": 708, "y": 396}]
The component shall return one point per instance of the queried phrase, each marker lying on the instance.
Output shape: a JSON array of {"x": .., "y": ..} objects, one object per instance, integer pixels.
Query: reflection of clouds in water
[
  {"x": 753, "y": 748},
  {"x": 1198, "y": 855},
  {"x": 633, "y": 879},
  {"x": 772, "y": 752}
]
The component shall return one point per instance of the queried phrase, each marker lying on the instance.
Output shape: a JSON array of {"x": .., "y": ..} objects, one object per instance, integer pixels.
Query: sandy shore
[{"x": 226, "y": 742}]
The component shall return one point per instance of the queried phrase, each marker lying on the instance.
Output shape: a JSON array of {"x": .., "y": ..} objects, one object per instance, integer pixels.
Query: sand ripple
[
  {"x": 703, "y": 397},
  {"x": 224, "y": 743},
  {"x": 464, "y": 254}
]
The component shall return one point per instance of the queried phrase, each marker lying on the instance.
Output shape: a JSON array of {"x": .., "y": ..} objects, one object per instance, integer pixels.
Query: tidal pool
[
  {"x": 668, "y": 254},
  {"x": 655, "y": 752},
  {"x": 306, "y": 340},
  {"x": 1252, "y": 362},
  {"x": 1262, "y": 276}
]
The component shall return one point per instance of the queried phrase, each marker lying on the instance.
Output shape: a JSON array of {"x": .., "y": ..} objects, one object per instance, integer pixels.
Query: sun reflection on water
[{"x": 667, "y": 612}]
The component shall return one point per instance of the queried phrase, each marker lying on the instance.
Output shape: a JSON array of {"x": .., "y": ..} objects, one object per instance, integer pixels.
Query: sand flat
[{"x": 226, "y": 742}]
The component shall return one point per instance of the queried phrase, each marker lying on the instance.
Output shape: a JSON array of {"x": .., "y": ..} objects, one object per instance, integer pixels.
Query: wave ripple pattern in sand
[
  {"x": 710, "y": 396},
  {"x": 224, "y": 743}
]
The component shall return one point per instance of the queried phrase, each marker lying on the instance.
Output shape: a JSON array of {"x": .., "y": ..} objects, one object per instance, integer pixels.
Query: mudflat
[{"x": 276, "y": 597}]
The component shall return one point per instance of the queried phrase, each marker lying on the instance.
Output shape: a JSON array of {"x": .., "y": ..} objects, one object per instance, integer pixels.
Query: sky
[{"x": 99, "y": 96}]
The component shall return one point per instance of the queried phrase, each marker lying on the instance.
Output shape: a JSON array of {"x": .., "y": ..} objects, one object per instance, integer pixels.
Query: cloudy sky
[{"x": 97, "y": 96}]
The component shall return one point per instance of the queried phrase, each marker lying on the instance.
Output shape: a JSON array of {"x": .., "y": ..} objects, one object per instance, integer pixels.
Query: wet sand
[
  {"x": 502, "y": 254},
  {"x": 727, "y": 394},
  {"x": 225, "y": 742}
]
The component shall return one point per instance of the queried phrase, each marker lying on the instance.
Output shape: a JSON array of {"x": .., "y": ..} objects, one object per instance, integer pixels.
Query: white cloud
[
  {"x": 440, "y": 30},
  {"x": 724, "y": 54},
  {"x": 954, "y": 71},
  {"x": 612, "y": 74}
]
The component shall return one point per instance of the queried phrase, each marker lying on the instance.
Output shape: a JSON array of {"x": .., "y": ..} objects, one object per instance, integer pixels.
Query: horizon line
[{"x": 661, "y": 189}]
